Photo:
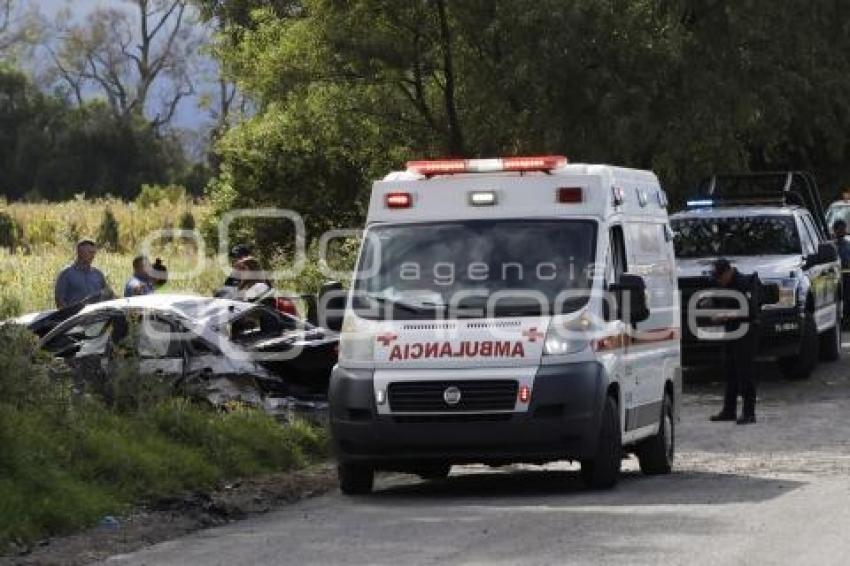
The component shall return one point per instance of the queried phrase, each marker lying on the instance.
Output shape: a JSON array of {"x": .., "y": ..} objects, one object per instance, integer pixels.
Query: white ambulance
[{"x": 510, "y": 310}]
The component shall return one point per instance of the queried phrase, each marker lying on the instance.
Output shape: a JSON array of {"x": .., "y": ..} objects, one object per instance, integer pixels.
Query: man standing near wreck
[{"x": 81, "y": 280}]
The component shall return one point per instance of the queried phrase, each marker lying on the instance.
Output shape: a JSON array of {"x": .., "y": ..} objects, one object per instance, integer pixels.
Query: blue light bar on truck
[{"x": 699, "y": 203}]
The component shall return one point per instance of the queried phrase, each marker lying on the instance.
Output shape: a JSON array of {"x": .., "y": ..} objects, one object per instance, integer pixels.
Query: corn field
[
  {"x": 48, "y": 234},
  {"x": 61, "y": 224}
]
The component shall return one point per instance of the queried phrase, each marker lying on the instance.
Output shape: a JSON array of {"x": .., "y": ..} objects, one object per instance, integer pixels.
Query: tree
[
  {"x": 346, "y": 91},
  {"x": 18, "y": 27},
  {"x": 130, "y": 55},
  {"x": 50, "y": 149}
]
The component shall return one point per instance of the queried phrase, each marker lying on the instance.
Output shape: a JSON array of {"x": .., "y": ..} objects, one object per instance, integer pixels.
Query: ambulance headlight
[
  {"x": 567, "y": 336},
  {"x": 356, "y": 340}
]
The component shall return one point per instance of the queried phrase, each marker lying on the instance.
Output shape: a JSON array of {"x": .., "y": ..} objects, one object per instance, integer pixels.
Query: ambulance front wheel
[
  {"x": 603, "y": 471},
  {"x": 656, "y": 454},
  {"x": 355, "y": 478}
]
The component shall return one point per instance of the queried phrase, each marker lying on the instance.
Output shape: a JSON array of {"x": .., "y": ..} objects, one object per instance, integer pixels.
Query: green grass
[
  {"x": 67, "y": 460},
  {"x": 60, "y": 471}
]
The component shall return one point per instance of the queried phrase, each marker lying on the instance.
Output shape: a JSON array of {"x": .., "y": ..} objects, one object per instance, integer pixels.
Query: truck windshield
[
  {"x": 738, "y": 236},
  {"x": 452, "y": 269}
]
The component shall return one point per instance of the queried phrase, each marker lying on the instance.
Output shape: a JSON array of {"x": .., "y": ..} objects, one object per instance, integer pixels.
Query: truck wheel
[
  {"x": 656, "y": 454},
  {"x": 603, "y": 471},
  {"x": 802, "y": 365},
  {"x": 830, "y": 341},
  {"x": 435, "y": 472},
  {"x": 355, "y": 478}
]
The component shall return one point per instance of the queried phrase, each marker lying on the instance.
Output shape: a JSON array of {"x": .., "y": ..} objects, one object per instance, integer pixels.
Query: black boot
[
  {"x": 724, "y": 415},
  {"x": 747, "y": 418}
]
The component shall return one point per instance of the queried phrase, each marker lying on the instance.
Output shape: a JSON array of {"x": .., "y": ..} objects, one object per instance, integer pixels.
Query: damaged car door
[
  {"x": 161, "y": 348},
  {"x": 301, "y": 354}
]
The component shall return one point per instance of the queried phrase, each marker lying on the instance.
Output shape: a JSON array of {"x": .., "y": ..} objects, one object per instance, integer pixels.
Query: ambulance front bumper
[{"x": 562, "y": 422}]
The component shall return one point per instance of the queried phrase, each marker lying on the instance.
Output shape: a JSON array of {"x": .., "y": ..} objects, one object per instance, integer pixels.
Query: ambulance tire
[
  {"x": 830, "y": 341},
  {"x": 803, "y": 364},
  {"x": 434, "y": 473},
  {"x": 355, "y": 478},
  {"x": 656, "y": 454},
  {"x": 603, "y": 471}
]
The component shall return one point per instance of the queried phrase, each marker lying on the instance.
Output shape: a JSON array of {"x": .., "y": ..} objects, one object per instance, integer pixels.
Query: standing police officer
[{"x": 739, "y": 353}]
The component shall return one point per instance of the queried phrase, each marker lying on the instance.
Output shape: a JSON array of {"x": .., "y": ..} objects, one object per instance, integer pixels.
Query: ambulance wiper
[
  {"x": 404, "y": 305},
  {"x": 516, "y": 307}
]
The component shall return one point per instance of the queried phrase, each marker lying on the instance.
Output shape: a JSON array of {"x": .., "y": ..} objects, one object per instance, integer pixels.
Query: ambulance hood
[{"x": 462, "y": 343}]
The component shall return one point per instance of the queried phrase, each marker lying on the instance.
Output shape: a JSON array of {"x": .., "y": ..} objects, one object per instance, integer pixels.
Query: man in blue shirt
[
  {"x": 140, "y": 283},
  {"x": 80, "y": 280}
]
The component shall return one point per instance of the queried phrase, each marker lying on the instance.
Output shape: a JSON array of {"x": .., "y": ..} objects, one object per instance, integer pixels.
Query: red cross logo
[
  {"x": 386, "y": 339},
  {"x": 532, "y": 334}
]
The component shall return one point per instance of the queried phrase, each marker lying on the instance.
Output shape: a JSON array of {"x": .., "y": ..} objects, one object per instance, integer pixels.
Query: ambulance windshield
[{"x": 475, "y": 268}]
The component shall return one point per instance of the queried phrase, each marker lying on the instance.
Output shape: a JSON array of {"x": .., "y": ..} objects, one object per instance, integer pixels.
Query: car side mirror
[
  {"x": 331, "y": 308},
  {"x": 630, "y": 293},
  {"x": 769, "y": 293}
]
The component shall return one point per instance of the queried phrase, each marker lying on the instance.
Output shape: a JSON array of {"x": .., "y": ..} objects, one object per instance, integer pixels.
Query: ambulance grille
[{"x": 477, "y": 395}]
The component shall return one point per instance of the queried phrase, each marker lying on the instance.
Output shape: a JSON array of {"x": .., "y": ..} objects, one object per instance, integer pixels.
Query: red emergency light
[
  {"x": 524, "y": 394},
  {"x": 570, "y": 195},
  {"x": 454, "y": 166},
  {"x": 398, "y": 200}
]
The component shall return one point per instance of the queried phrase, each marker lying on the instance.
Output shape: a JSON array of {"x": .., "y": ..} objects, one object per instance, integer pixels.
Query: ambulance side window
[
  {"x": 616, "y": 264},
  {"x": 618, "y": 254}
]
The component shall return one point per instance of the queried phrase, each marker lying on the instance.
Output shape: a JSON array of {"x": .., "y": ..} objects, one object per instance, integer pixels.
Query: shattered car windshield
[
  {"x": 422, "y": 270},
  {"x": 261, "y": 323},
  {"x": 738, "y": 236}
]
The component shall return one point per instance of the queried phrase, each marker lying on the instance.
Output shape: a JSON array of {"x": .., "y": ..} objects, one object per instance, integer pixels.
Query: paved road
[{"x": 773, "y": 493}]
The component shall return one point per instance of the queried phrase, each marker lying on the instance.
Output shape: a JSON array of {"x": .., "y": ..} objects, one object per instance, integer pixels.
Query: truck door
[{"x": 825, "y": 280}]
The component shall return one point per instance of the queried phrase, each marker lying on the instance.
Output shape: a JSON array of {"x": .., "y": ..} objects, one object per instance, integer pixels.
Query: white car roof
[
  {"x": 735, "y": 211},
  {"x": 192, "y": 307}
]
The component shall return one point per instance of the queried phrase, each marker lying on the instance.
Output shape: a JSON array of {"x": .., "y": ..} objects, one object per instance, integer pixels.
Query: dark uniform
[{"x": 739, "y": 354}]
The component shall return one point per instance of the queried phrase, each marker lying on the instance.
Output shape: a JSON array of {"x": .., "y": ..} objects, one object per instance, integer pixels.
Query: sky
[{"x": 189, "y": 115}]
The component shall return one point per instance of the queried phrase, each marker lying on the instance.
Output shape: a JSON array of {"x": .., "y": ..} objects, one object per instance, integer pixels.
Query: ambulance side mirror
[
  {"x": 331, "y": 308},
  {"x": 630, "y": 294}
]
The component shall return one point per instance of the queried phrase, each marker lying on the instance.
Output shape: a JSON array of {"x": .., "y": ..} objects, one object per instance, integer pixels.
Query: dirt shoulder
[{"x": 177, "y": 516}]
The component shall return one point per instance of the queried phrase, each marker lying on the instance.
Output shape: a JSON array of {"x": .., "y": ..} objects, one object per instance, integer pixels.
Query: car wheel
[
  {"x": 656, "y": 454},
  {"x": 355, "y": 478},
  {"x": 830, "y": 341},
  {"x": 435, "y": 472},
  {"x": 603, "y": 471},
  {"x": 802, "y": 365}
]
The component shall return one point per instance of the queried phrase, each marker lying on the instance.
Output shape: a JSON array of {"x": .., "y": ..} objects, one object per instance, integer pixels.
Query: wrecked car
[{"x": 238, "y": 351}]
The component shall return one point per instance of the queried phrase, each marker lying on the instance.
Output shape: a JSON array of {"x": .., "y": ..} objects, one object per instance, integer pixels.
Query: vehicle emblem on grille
[{"x": 451, "y": 395}]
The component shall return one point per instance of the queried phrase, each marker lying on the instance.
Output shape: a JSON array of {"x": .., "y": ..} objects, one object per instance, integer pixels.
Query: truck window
[
  {"x": 808, "y": 236},
  {"x": 814, "y": 233}
]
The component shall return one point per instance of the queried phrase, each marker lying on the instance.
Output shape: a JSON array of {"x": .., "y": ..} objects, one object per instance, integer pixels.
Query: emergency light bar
[{"x": 503, "y": 164}]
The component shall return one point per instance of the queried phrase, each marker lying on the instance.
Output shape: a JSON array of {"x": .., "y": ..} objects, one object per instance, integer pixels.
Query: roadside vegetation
[
  {"x": 37, "y": 240},
  {"x": 72, "y": 454}
]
